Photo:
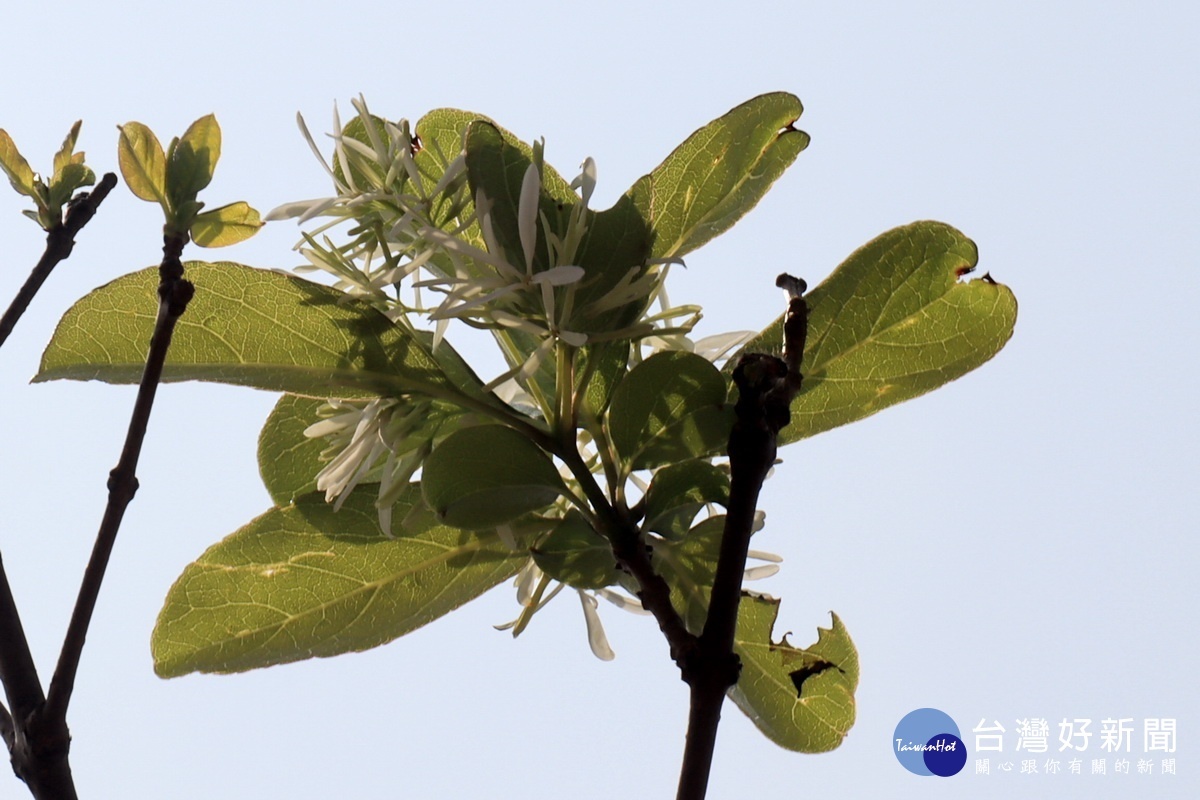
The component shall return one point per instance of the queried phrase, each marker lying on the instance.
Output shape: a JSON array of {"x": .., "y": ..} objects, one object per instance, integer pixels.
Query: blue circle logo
[{"x": 928, "y": 742}]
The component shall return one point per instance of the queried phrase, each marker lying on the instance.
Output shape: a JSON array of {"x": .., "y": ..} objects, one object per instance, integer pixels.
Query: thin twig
[
  {"x": 38, "y": 745},
  {"x": 60, "y": 240},
  {"x": 174, "y": 294},
  {"x": 631, "y": 553},
  {"x": 766, "y": 387}
]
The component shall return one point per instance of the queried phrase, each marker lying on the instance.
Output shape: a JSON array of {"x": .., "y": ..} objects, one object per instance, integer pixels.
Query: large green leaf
[
  {"x": 247, "y": 327},
  {"x": 487, "y": 475},
  {"x": 669, "y": 407},
  {"x": 801, "y": 698},
  {"x": 893, "y": 322},
  {"x": 305, "y": 581},
  {"x": 719, "y": 173}
]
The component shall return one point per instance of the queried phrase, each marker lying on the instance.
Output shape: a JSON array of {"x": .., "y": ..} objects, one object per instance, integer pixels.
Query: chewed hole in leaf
[{"x": 815, "y": 667}]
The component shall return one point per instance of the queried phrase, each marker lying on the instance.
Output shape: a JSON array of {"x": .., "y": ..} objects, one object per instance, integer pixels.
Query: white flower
[{"x": 375, "y": 438}]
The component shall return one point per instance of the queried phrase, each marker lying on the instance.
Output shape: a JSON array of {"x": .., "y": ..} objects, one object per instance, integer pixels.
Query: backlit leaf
[
  {"x": 226, "y": 225},
  {"x": 247, "y": 327},
  {"x": 304, "y": 581},
  {"x": 652, "y": 408},
  {"x": 678, "y": 491},
  {"x": 192, "y": 160},
  {"x": 576, "y": 555},
  {"x": 893, "y": 322},
  {"x": 487, "y": 475},
  {"x": 801, "y": 698},
  {"x": 287, "y": 459},
  {"x": 19, "y": 173},
  {"x": 143, "y": 163},
  {"x": 719, "y": 173}
]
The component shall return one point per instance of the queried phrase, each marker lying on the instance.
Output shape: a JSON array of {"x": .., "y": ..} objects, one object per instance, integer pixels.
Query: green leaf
[
  {"x": 677, "y": 492},
  {"x": 576, "y": 555},
  {"x": 719, "y": 173},
  {"x": 611, "y": 365},
  {"x": 801, "y": 698},
  {"x": 226, "y": 225},
  {"x": 19, "y": 173},
  {"x": 143, "y": 163},
  {"x": 666, "y": 407},
  {"x": 192, "y": 160},
  {"x": 893, "y": 322},
  {"x": 616, "y": 247},
  {"x": 688, "y": 565},
  {"x": 247, "y": 327},
  {"x": 66, "y": 181},
  {"x": 66, "y": 154},
  {"x": 704, "y": 432},
  {"x": 305, "y": 581},
  {"x": 287, "y": 459},
  {"x": 488, "y": 475}
]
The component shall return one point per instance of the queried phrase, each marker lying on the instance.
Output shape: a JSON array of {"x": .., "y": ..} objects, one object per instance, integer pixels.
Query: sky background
[{"x": 1021, "y": 543}]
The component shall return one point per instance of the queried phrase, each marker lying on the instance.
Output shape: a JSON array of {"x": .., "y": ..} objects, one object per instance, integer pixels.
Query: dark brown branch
[
  {"x": 40, "y": 740},
  {"x": 631, "y": 553},
  {"x": 37, "y": 744},
  {"x": 174, "y": 294},
  {"x": 766, "y": 387},
  {"x": 60, "y": 240}
]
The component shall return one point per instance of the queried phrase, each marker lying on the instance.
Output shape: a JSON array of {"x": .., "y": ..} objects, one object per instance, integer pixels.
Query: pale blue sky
[{"x": 1020, "y": 543}]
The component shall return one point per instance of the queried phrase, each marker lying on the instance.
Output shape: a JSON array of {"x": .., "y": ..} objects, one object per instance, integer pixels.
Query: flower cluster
[{"x": 424, "y": 249}]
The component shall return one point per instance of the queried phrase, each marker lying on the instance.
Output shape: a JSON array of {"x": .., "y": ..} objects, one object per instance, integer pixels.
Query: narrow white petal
[
  {"x": 526, "y": 580},
  {"x": 586, "y": 182},
  {"x": 294, "y": 209},
  {"x": 527, "y": 214},
  {"x": 505, "y": 532},
  {"x": 715, "y": 347},
  {"x": 323, "y": 428},
  {"x": 573, "y": 338},
  {"x": 453, "y": 170},
  {"x": 316, "y": 151},
  {"x": 630, "y": 604},
  {"x": 596, "y": 638},
  {"x": 763, "y": 555},
  {"x": 758, "y": 573},
  {"x": 560, "y": 276}
]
